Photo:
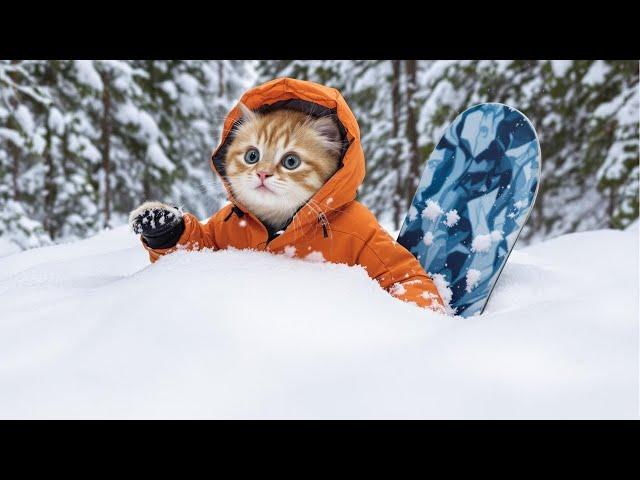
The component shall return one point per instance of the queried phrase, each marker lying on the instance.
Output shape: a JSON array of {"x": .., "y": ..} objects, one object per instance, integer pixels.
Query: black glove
[{"x": 160, "y": 225}]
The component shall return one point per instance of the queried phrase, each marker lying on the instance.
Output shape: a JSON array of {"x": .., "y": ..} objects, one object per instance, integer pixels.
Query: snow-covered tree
[
  {"x": 21, "y": 174},
  {"x": 82, "y": 142},
  {"x": 585, "y": 112},
  {"x": 188, "y": 100}
]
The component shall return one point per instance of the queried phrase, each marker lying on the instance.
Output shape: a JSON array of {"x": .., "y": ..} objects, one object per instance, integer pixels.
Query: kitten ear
[
  {"x": 247, "y": 113},
  {"x": 328, "y": 129}
]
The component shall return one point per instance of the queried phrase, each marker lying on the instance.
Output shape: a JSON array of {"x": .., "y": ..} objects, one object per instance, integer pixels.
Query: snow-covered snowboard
[{"x": 474, "y": 197}]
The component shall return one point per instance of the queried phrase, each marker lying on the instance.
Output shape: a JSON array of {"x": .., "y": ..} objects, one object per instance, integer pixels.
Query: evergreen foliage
[{"x": 83, "y": 142}]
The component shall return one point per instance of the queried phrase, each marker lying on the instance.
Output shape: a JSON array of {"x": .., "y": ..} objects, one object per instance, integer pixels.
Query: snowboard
[{"x": 475, "y": 196}]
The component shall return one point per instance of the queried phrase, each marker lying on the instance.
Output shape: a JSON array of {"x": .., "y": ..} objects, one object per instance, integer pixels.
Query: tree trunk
[
  {"x": 412, "y": 133},
  {"x": 14, "y": 153},
  {"x": 49, "y": 187},
  {"x": 398, "y": 199},
  {"x": 106, "y": 146},
  {"x": 611, "y": 210}
]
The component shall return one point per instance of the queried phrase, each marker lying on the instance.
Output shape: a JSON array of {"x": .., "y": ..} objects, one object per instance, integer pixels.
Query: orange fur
[{"x": 275, "y": 135}]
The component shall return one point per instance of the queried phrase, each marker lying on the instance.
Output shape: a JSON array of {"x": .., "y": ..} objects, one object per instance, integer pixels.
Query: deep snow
[{"x": 91, "y": 330}]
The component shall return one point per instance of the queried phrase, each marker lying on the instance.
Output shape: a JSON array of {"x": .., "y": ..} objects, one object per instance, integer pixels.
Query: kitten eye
[
  {"x": 252, "y": 156},
  {"x": 290, "y": 161}
]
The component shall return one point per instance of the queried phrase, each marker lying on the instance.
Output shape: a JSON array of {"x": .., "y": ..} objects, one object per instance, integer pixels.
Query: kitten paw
[{"x": 159, "y": 224}]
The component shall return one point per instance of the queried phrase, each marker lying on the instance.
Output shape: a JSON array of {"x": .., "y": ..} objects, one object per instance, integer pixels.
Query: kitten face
[{"x": 279, "y": 160}]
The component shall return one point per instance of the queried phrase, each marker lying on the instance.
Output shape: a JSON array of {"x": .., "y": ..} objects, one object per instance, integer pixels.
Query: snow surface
[{"x": 92, "y": 330}]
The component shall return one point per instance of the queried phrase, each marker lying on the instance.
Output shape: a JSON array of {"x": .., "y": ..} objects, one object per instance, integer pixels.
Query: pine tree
[
  {"x": 568, "y": 102},
  {"x": 619, "y": 176},
  {"x": 83, "y": 142},
  {"x": 20, "y": 174},
  {"x": 69, "y": 195}
]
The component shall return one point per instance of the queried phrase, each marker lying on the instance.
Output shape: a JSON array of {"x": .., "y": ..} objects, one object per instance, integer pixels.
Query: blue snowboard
[{"x": 474, "y": 197}]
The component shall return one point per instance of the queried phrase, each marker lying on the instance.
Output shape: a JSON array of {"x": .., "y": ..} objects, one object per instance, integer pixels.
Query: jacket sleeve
[
  {"x": 398, "y": 271},
  {"x": 196, "y": 236}
]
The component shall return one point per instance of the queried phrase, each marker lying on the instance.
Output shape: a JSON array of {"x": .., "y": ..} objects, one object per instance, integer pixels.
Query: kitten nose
[{"x": 263, "y": 175}]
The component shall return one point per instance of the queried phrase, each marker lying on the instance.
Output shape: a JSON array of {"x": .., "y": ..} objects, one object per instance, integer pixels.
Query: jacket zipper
[{"x": 324, "y": 222}]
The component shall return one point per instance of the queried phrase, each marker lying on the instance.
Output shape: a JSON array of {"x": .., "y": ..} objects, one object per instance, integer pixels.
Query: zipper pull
[{"x": 324, "y": 222}]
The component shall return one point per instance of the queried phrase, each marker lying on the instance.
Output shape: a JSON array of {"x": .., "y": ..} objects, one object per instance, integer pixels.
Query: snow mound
[{"x": 92, "y": 330}]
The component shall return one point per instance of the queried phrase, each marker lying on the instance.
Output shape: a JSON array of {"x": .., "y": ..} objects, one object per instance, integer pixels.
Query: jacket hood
[{"x": 313, "y": 99}]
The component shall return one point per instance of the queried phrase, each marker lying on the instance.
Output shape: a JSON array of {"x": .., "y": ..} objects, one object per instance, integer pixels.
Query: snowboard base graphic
[{"x": 474, "y": 197}]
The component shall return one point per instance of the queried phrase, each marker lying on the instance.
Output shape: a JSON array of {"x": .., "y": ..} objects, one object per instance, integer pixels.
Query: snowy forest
[
  {"x": 91, "y": 329},
  {"x": 83, "y": 142}
]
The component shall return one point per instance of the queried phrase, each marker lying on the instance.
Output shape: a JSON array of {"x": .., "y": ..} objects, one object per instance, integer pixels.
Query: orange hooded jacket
[{"x": 335, "y": 226}]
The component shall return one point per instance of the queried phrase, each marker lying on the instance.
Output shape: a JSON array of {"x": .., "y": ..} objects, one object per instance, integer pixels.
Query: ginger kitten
[{"x": 278, "y": 160}]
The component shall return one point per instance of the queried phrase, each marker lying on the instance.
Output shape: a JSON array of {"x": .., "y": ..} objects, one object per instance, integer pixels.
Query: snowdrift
[{"x": 92, "y": 330}]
